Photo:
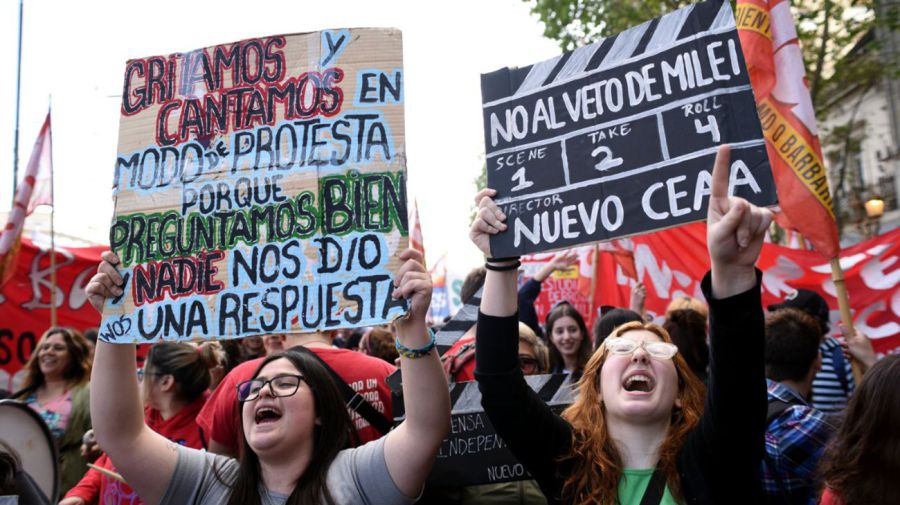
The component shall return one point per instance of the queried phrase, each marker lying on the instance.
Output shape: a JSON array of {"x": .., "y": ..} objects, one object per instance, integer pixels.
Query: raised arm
[
  {"x": 531, "y": 289},
  {"x": 534, "y": 434},
  {"x": 411, "y": 448},
  {"x": 730, "y": 434},
  {"x": 144, "y": 458}
]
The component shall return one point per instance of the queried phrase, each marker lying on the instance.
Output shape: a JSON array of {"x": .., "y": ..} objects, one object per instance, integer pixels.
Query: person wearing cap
[{"x": 834, "y": 383}]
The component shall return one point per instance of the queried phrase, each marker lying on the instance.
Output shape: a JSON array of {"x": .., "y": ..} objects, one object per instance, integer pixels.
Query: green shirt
[{"x": 633, "y": 484}]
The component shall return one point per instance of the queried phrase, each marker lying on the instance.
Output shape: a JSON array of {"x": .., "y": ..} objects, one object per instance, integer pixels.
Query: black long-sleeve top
[
  {"x": 719, "y": 462},
  {"x": 528, "y": 294}
]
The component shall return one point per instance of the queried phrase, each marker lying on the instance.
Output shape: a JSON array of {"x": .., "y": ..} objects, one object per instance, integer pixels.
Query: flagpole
[
  {"x": 52, "y": 224},
  {"x": 18, "y": 99},
  {"x": 595, "y": 269},
  {"x": 837, "y": 276}
]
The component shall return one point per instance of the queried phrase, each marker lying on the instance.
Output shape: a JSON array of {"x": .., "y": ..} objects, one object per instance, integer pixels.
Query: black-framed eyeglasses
[
  {"x": 281, "y": 385},
  {"x": 528, "y": 364}
]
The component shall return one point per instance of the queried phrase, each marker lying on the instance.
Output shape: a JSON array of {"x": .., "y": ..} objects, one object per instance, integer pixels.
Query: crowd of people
[{"x": 723, "y": 402}]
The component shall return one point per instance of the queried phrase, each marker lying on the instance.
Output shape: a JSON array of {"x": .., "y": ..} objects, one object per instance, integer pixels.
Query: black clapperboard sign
[
  {"x": 473, "y": 453},
  {"x": 618, "y": 138}
]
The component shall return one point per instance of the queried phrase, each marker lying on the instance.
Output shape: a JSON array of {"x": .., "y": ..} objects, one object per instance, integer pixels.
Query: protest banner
[
  {"x": 672, "y": 263},
  {"x": 572, "y": 285},
  {"x": 25, "y": 302},
  {"x": 260, "y": 188},
  {"x": 618, "y": 138}
]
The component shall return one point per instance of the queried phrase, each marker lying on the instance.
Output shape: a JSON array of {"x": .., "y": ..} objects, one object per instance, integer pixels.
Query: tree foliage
[{"x": 827, "y": 30}]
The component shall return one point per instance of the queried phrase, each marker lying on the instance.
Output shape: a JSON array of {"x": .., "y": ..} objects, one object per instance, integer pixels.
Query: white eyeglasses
[{"x": 625, "y": 347}]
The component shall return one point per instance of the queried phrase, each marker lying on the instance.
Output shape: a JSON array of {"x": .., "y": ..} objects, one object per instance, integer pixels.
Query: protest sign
[
  {"x": 260, "y": 188},
  {"x": 618, "y": 138},
  {"x": 473, "y": 453}
]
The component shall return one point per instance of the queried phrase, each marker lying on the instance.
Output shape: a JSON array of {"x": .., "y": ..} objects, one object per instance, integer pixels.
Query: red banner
[
  {"x": 25, "y": 302},
  {"x": 672, "y": 263},
  {"x": 772, "y": 51}
]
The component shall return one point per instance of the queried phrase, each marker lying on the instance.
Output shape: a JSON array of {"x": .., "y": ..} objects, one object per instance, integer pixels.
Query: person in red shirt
[
  {"x": 220, "y": 419},
  {"x": 175, "y": 379}
]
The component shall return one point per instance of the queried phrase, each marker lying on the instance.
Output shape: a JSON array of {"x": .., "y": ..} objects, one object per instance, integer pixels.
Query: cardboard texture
[
  {"x": 260, "y": 188},
  {"x": 618, "y": 138}
]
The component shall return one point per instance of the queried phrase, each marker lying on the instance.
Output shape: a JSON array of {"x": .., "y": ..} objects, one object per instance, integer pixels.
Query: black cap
[{"x": 808, "y": 301}]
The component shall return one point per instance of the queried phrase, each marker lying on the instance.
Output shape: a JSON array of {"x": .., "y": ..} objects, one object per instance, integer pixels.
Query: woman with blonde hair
[
  {"x": 534, "y": 358},
  {"x": 56, "y": 387},
  {"x": 638, "y": 432}
]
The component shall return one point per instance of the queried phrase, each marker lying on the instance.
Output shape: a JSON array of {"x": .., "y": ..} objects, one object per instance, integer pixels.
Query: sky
[{"x": 74, "y": 56}]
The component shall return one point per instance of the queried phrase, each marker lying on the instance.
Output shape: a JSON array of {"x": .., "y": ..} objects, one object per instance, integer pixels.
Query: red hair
[{"x": 596, "y": 463}]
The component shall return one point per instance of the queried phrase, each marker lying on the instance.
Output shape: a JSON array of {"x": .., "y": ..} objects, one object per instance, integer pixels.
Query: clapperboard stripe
[
  {"x": 650, "y": 37},
  {"x": 624, "y": 47},
  {"x": 701, "y": 18},
  {"x": 602, "y": 50},
  {"x": 556, "y": 69},
  {"x": 538, "y": 74},
  {"x": 555, "y": 389},
  {"x": 724, "y": 19},
  {"x": 667, "y": 30},
  {"x": 459, "y": 325},
  {"x": 577, "y": 62},
  {"x": 447, "y": 335},
  {"x": 645, "y": 39}
]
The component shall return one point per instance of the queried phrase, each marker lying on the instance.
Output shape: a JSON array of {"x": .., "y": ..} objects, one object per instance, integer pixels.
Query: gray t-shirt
[{"x": 356, "y": 477}]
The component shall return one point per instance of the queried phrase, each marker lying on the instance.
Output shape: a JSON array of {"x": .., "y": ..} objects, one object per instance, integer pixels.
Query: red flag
[
  {"x": 416, "y": 241},
  {"x": 769, "y": 41},
  {"x": 623, "y": 252},
  {"x": 34, "y": 189}
]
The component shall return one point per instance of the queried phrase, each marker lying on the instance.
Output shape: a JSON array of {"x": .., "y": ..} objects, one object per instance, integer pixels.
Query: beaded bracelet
[{"x": 406, "y": 352}]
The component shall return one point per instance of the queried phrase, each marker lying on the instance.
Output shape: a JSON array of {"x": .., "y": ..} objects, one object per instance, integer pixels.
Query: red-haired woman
[{"x": 638, "y": 432}]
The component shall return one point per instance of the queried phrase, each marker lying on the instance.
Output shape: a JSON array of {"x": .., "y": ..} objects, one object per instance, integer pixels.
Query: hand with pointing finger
[{"x": 734, "y": 234}]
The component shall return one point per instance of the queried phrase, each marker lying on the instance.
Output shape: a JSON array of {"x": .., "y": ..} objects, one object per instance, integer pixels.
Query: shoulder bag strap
[
  {"x": 353, "y": 399},
  {"x": 653, "y": 495}
]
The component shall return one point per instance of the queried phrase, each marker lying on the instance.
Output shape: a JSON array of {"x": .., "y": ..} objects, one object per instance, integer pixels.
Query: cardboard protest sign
[
  {"x": 618, "y": 138},
  {"x": 473, "y": 453},
  {"x": 260, "y": 188}
]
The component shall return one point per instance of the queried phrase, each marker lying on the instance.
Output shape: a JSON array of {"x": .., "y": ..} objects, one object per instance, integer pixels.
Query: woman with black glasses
[{"x": 295, "y": 426}]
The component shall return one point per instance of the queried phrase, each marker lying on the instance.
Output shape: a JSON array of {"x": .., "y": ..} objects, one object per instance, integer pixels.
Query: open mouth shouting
[
  {"x": 266, "y": 414},
  {"x": 639, "y": 381}
]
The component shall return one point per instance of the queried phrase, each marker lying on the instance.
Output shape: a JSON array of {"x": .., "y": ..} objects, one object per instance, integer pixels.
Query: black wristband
[
  {"x": 503, "y": 268},
  {"x": 498, "y": 260}
]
